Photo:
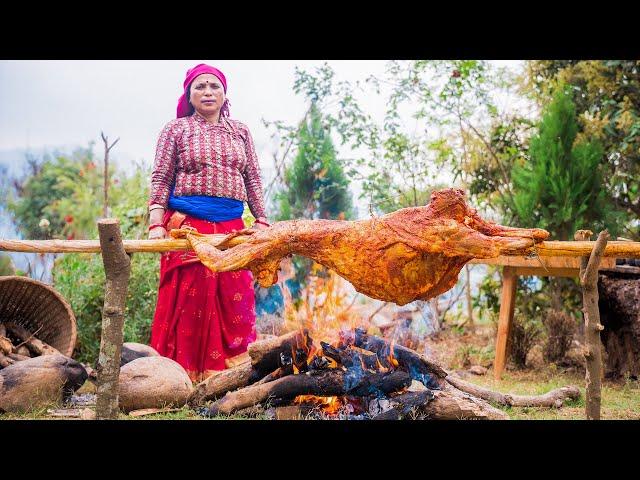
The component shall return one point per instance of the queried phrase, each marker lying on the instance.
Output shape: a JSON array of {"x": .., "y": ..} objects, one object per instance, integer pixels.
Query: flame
[
  {"x": 329, "y": 405},
  {"x": 391, "y": 358},
  {"x": 325, "y": 308}
]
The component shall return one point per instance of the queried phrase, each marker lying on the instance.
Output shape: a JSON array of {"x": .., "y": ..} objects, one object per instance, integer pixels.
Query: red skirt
[{"x": 202, "y": 317}]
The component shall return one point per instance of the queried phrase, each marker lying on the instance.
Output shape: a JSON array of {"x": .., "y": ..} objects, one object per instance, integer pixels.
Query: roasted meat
[{"x": 411, "y": 254}]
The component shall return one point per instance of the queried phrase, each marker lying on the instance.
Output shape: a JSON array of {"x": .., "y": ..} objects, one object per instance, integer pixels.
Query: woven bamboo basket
[{"x": 40, "y": 309}]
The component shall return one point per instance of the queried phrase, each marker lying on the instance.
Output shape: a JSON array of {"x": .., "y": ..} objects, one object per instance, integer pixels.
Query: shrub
[
  {"x": 524, "y": 334},
  {"x": 80, "y": 279},
  {"x": 560, "y": 328}
]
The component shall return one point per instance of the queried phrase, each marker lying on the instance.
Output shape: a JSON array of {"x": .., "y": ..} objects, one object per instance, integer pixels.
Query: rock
[
  {"x": 478, "y": 370},
  {"x": 153, "y": 382},
  {"x": 132, "y": 350},
  {"x": 38, "y": 382}
]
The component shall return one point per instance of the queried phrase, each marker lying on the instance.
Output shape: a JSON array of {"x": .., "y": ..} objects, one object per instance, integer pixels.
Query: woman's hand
[
  {"x": 260, "y": 224},
  {"x": 157, "y": 233}
]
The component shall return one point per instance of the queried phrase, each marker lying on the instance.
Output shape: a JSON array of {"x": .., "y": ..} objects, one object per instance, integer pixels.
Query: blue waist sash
[{"x": 213, "y": 209}]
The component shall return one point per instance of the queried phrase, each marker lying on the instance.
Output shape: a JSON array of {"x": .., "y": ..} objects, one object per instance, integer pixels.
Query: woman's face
[{"x": 207, "y": 94}]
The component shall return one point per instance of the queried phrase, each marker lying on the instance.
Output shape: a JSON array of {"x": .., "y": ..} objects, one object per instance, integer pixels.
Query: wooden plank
[
  {"x": 507, "y": 305},
  {"x": 538, "y": 262},
  {"x": 549, "y": 272}
]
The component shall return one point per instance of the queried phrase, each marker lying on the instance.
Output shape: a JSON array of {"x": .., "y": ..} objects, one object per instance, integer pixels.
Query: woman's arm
[
  {"x": 252, "y": 179},
  {"x": 162, "y": 179}
]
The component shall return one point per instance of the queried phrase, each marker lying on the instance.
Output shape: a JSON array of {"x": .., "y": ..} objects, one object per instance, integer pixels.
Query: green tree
[
  {"x": 607, "y": 98},
  {"x": 560, "y": 187},
  {"x": 6, "y": 265},
  {"x": 315, "y": 185}
]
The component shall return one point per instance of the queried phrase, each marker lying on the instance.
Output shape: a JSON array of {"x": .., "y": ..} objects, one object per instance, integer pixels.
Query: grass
[{"x": 620, "y": 400}]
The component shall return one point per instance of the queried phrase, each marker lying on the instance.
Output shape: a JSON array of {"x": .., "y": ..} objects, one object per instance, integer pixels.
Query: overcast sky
[
  {"x": 47, "y": 105},
  {"x": 67, "y": 103}
]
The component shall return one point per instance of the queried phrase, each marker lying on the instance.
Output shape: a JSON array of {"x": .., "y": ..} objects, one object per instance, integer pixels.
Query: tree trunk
[
  {"x": 592, "y": 327},
  {"x": 468, "y": 295},
  {"x": 117, "y": 267}
]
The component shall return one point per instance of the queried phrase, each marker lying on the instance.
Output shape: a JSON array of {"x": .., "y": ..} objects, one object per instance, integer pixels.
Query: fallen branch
[{"x": 554, "y": 398}]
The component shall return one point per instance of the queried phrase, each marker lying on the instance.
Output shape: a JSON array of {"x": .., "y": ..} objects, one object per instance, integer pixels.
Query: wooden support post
[
  {"x": 592, "y": 327},
  {"x": 507, "y": 305},
  {"x": 117, "y": 266}
]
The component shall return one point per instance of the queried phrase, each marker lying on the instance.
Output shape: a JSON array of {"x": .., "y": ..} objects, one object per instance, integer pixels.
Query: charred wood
[
  {"x": 405, "y": 404},
  {"x": 327, "y": 383},
  {"x": 425, "y": 370},
  {"x": 265, "y": 354}
]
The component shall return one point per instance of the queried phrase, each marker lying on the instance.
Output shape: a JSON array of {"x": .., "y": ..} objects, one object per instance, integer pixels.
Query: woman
[{"x": 205, "y": 168}]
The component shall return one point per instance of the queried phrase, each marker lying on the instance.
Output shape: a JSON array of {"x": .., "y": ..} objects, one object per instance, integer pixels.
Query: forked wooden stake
[
  {"x": 117, "y": 267},
  {"x": 592, "y": 326}
]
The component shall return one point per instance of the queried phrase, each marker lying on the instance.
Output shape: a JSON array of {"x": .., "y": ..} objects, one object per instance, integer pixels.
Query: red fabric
[{"x": 202, "y": 317}]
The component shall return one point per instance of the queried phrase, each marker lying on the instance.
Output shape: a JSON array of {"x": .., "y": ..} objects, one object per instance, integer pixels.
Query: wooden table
[{"x": 514, "y": 267}]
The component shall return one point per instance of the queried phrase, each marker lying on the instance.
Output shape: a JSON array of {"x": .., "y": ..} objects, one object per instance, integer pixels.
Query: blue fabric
[{"x": 213, "y": 209}]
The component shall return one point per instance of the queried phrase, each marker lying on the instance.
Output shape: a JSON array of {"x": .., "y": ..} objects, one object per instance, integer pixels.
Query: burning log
[
  {"x": 554, "y": 398},
  {"x": 421, "y": 368},
  {"x": 227, "y": 380},
  {"x": 265, "y": 354},
  {"x": 325, "y": 383},
  {"x": 405, "y": 404},
  {"x": 37, "y": 347},
  {"x": 453, "y": 404},
  {"x": 39, "y": 381},
  {"x": 349, "y": 357}
]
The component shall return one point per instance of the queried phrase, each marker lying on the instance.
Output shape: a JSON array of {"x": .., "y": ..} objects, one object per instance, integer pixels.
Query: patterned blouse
[{"x": 202, "y": 158}]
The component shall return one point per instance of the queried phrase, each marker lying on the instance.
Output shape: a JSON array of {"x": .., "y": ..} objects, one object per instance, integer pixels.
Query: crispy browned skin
[{"x": 411, "y": 254}]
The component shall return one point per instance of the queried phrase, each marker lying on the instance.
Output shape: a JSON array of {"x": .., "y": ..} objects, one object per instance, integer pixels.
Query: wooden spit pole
[{"x": 543, "y": 249}]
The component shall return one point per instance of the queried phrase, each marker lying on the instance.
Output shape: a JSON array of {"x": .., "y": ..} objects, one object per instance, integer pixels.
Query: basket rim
[{"x": 60, "y": 298}]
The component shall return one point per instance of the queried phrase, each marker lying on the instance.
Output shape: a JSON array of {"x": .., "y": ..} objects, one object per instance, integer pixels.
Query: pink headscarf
[{"x": 184, "y": 109}]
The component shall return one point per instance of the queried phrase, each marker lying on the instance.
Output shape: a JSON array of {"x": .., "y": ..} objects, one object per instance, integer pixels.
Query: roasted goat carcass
[{"x": 411, "y": 254}]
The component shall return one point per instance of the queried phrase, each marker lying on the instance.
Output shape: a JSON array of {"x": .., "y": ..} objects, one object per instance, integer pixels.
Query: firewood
[
  {"x": 17, "y": 357},
  {"x": 40, "y": 381},
  {"x": 325, "y": 383},
  {"x": 5, "y": 361},
  {"x": 420, "y": 367},
  {"x": 36, "y": 346},
  {"x": 217, "y": 385},
  {"x": 23, "y": 351},
  {"x": 265, "y": 354},
  {"x": 453, "y": 404},
  {"x": 276, "y": 374},
  {"x": 6, "y": 347},
  {"x": 554, "y": 398},
  {"x": 348, "y": 357},
  {"x": 3, "y": 330},
  {"x": 404, "y": 404},
  {"x": 237, "y": 360}
]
